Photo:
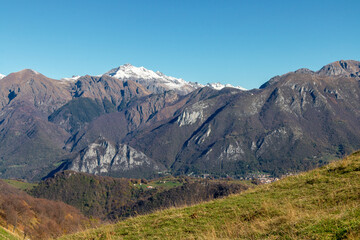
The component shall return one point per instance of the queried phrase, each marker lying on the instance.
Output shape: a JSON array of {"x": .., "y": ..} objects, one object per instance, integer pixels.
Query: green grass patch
[
  {"x": 57, "y": 164},
  {"x": 5, "y": 235},
  {"x": 20, "y": 184}
]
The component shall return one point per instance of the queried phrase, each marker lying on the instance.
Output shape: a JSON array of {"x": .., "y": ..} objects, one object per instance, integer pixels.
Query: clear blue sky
[{"x": 239, "y": 42}]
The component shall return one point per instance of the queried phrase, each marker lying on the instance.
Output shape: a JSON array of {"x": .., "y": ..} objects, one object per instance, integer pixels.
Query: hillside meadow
[{"x": 321, "y": 204}]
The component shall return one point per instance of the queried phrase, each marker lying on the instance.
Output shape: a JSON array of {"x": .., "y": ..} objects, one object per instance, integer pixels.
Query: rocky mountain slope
[
  {"x": 38, "y": 115},
  {"x": 117, "y": 125},
  {"x": 348, "y": 68},
  {"x": 293, "y": 123},
  {"x": 29, "y": 86},
  {"x": 29, "y": 143}
]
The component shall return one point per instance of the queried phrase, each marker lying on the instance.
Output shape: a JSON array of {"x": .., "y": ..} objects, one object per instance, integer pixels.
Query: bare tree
[{"x": 11, "y": 216}]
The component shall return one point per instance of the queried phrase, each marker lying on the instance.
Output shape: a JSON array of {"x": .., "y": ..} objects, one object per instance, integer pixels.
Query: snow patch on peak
[
  {"x": 2, "y": 76},
  {"x": 156, "y": 81},
  {"x": 219, "y": 86},
  {"x": 128, "y": 71},
  {"x": 72, "y": 79}
]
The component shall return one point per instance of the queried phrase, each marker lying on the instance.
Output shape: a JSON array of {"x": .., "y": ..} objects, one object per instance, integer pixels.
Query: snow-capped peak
[
  {"x": 154, "y": 81},
  {"x": 157, "y": 81},
  {"x": 2, "y": 76},
  {"x": 128, "y": 71},
  {"x": 72, "y": 79},
  {"x": 219, "y": 86}
]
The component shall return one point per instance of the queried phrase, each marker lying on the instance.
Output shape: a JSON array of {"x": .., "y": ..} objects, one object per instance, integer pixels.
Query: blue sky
[{"x": 239, "y": 42}]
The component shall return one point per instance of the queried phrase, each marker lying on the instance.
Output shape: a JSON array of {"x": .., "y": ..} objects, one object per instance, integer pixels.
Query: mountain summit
[
  {"x": 348, "y": 68},
  {"x": 127, "y": 71},
  {"x": 156, "y": 82}
]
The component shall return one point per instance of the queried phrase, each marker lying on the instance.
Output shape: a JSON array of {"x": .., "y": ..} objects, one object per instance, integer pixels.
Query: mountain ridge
[
  {"x": 156, "y": 82},
  {"x": 294, "y": 122}
]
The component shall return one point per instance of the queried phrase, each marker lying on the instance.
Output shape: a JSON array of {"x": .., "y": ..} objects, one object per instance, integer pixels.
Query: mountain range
[{"x": 133, "y": 122}]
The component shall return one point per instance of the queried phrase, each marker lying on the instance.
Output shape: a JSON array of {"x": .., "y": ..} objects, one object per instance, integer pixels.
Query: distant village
[{"x": 260, "y": 178}]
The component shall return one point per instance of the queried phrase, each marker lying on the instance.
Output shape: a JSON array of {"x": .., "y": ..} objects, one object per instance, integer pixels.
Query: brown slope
[
  {"x": 164, "y": 141},
  {"x": 105, "y": 134},
  {"x": 93, "y": 97},
  {"x": 29, "y": 86},
  {"x": 113, "y": 128},
  {"x": 29, "y": 144},
  {"x": 148, "y": 111},
  {"x": 36, "y": 218},
  {"x": 157, "y": 109},
  {"x": 116, "y": 91}
]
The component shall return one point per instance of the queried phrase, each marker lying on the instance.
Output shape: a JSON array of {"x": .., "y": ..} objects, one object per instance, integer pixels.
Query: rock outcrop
[{"x": 105, "y": 158}]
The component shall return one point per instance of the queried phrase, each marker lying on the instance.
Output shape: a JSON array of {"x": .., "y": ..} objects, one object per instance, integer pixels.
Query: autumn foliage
[{"x": 36, "y": 218}]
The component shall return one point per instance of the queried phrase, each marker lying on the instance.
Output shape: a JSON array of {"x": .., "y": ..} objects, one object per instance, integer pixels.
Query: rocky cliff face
[{"x": 104, "y": 158}]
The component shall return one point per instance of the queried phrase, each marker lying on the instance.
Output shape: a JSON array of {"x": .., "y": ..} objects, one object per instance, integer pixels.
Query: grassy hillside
[
  {"x": 20, "y": 184},
  {"x": 321, "y": 204}
]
